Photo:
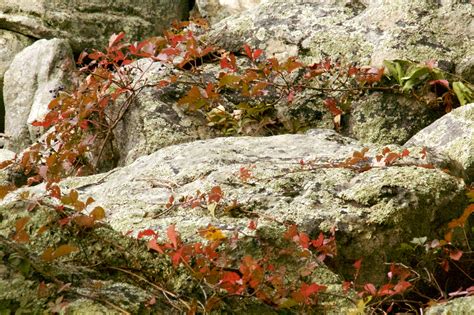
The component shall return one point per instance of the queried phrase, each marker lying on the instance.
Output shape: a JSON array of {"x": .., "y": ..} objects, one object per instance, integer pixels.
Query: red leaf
[
  {"x": 252, "y": 225},
  {"x": 115, "y": 38},
  {"x": 154, "y": 246},
  {"x": 307, "y": 290},
  {"x": 304, "y": 240},
  {"x": 248, "y": 51},
  {"x": 172, "y": 235},
  {"x": 215, "y": 195},
  {"x": 257, "y": 53},
  {"x": 405, "y": 152},
  {"x": 331, "y": 105},
  {"x": 147, "y": 232},
  {"x": 357, "y": 264},
  {"x": 318, "y": 242},
  {"x": 455, "y": 254},
  {"x": 401, "y": 286},
  {"x": 370, "y": 288},
  {"x": 444, "y": 83}
]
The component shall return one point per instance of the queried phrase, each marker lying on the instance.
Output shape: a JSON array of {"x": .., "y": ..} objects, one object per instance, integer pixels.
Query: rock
[
  {"x": 114, "y": 276},
  {"x": 465, "y": 68},
  {"x": 388, "y": 119},
  {"x": 373, "y": 211},
  {"x": 415, "y": 30},
  {"x": 35, "y": 75},
  {"x": 216, "y": 10},
  {"x": 6, "y": 155},
  {"x": 10, "y": 44},
  {"x": 155, "y": 120},
  {"x": 453, "y": 135},
  {"x": 89, "y": 24},
  {"x": 461, "y": 305}
]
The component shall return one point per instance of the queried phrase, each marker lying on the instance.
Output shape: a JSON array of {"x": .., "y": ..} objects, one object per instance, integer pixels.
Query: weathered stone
[
  {"x": 388, "y": 119},
  {"x": 373, "y": 211},
  {"x": 155, "y": 120},
  {"x": 6, "y": 155},
  {"x": 415, "y": 30},
  {"x": 461, "y": 305},
  {"x": 453, "y": 135},
  {"x": 465, "y": 68},
  {"x": 10, "y": 44},
  {"x": 34, "y": 76},
  {"x": 216, "y": 10},
  {"x": 105, "y": 275},
  {"x": 89, "y": 24}
]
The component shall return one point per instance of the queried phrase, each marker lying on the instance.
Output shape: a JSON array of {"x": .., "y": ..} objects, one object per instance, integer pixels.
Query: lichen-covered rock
[
  {"x": 10, "y": 44},
  {"x": 388, "y": 118},
  {"x": 216, "y": 10},
  {"x": 155, "y": 120},
  {"x": 6, "y": 155},
  {"x": 453, "y": 135},
  {"x": 112, "y": 273},
  {"x": 415, "y": 30},
  {"x": 373, "y": 211},
  {"x": 89, "y": 24},
  {"x": 461, "y": 305},
  {"x": 35, "y": 75}
]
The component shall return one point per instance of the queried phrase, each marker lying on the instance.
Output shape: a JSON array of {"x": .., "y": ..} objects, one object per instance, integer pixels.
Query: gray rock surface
[
  {"x": 216, "y": 10},
  {"x": 34, "y": 76},
  {"x": 388, "y": 119},
  {"x": 373, "y": 211},
  {"x": 462, "y": 305},
  {"x": 89, "y": 24},
  {"x": 369, "y": 33},
  {"x": 453, "y": 135},
  {"x": 10, "y": 44},
  {"x": 6, "y": 155}
]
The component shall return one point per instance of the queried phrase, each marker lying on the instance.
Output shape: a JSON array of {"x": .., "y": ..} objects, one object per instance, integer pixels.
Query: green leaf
[
  {"x": 415, "y": 76},
  {"x": 464, "y": 94}
]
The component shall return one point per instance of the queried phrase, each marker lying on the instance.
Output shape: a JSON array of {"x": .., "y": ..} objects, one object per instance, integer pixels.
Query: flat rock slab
[{"x": 373, "y": 211}]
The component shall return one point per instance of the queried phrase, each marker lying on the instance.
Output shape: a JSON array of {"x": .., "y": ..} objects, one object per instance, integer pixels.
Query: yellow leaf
[
  {"x": 98, "y": 213},
  {"x": 212, "y": 209},
  {"x": 212, "y": 233}
]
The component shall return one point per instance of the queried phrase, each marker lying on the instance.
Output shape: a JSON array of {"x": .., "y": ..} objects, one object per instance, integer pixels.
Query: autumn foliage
[{"x": 80, "y": 129}]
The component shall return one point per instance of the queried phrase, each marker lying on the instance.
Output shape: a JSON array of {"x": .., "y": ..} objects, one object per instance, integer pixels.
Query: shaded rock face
[
  {"x": 10, "y": 44},
  {"x": 368, "y": 33},
  {"x": 89, "y": 24},
  {"x": 388, "y": 118},
  {"x": 35, "y": 75},
  {"x": 216, "y": 10},
  {"x": 453, "y": 135},
  {"x": 373, "y": 211},
  {"x": 155, "y": 120}
]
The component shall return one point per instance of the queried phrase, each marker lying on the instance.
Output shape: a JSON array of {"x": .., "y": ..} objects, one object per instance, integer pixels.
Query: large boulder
[
  {"x": 386, "y": 118},
  {"x": 35, "y": 75},
  {"x": 216, "y": 10},
  {"x": 89, "y": 24},
  {"x": 368, "y": 33},
  {"x": 374, "y": 209},
  {"x": 10, "y": 44},
  {"x": 453, "y": 135}
]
